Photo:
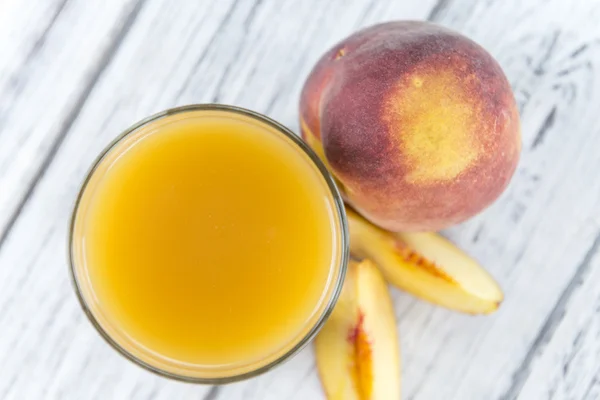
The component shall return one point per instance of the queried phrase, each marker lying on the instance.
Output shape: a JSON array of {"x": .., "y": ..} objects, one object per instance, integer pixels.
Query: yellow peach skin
[
  {"x": 417, "y": 122},
  {"x": 357, "y": 349}
]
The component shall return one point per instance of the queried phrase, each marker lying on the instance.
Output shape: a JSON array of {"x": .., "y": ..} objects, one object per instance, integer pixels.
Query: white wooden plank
[
  {"x": 93, "y": 371},
  {"x": 452, "y": 356},
  {"x": 298, "y": 379},
  {"x": 52, "y": 52},
  {"x": 23, "y": 28},
  {"x": 568, "y": 366},
  {"x": 47, "y": 340},
  {"x": 534, "y": 240},
  {"x": 161, "y": 63}
]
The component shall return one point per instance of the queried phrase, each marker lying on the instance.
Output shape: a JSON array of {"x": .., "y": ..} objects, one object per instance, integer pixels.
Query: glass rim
[{"x": 337, "y": 282}]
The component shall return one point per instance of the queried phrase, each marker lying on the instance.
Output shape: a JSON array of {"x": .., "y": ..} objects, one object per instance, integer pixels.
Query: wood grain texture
[
  {"x": 567, "y": 366},
  {"x": 79, "y": 72},
  {"x": 535, "y": 239},
  {"x": 55, "y": 51}
]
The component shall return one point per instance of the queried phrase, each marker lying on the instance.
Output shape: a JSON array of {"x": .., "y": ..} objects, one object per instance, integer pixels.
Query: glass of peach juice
[{"x": 208, "y": 244}]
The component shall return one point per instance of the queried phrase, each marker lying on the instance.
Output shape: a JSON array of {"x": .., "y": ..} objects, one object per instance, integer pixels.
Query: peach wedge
[
  {"x": 426, "y": 265},
  {"x": 357, "y": 349}
]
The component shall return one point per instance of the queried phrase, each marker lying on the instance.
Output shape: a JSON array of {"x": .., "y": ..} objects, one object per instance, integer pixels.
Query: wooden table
[{"x": 74, "y": 73}]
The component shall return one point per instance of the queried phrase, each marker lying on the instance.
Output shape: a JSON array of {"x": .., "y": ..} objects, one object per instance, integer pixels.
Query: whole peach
[{"x": 417, "y": 122}]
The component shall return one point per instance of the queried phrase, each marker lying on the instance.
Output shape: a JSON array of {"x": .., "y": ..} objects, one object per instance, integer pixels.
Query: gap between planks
[
  {"x": 552, "y": 322},
  {"x": 71, "y": 117}
]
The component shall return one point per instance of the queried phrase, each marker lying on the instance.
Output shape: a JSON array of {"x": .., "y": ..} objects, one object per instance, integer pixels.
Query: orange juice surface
[{"x": 208, "y": 240}]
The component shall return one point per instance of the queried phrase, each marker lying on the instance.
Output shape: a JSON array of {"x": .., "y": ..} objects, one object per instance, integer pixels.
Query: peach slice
[
  {"x": 427, "y": 266},
  {"x": 357, "y": 349}
]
